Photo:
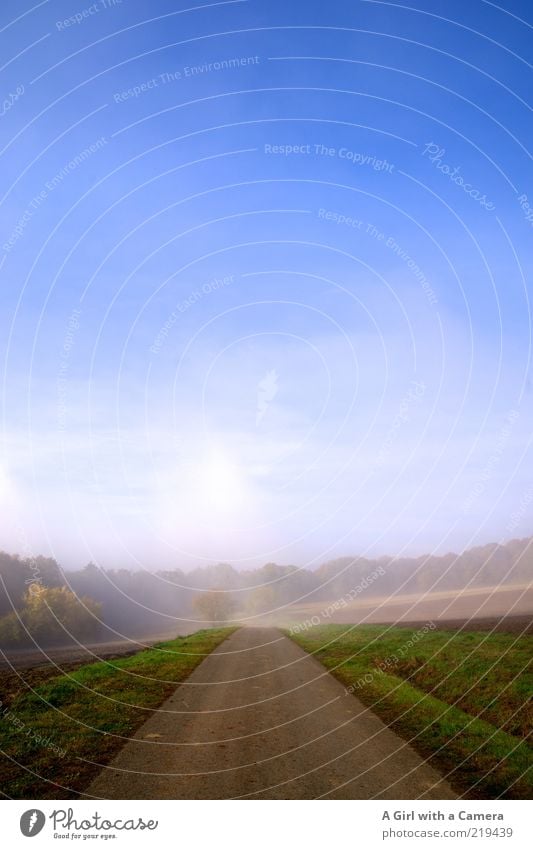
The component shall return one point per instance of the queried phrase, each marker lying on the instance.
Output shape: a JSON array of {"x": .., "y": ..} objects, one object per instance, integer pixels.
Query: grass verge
[
  {"x": 49, "y": 737},
  {"x": 462, "y": 699}
]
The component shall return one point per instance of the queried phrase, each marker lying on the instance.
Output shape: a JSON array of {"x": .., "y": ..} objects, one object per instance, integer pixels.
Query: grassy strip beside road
[
  {"x": 463, "y": 699},
  {"x": 82, "y": 716}
]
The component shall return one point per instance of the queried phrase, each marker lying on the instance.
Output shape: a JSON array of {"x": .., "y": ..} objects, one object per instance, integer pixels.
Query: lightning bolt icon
[{"x": 33, "y": 820}]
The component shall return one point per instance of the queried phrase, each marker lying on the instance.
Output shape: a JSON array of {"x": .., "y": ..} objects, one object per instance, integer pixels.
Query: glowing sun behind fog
[{"x": 221, "y": 483}]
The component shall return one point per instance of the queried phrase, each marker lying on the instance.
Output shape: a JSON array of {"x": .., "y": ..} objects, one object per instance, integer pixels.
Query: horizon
[{"x": 299, "y": 567}]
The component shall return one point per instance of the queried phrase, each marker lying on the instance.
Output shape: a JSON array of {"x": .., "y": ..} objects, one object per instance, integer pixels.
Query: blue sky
[{"x": 265, "y": 277}]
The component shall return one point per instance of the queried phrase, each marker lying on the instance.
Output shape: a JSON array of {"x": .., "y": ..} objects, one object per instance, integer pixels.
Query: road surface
[{"x": 261, "y": 719}]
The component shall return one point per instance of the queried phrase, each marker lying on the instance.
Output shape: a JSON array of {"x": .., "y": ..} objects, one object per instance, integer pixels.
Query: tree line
[{"x": 41, "y": 602}]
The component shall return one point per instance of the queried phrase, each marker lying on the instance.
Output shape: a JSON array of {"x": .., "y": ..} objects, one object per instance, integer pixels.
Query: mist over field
[{"x": 60, "y": 606}]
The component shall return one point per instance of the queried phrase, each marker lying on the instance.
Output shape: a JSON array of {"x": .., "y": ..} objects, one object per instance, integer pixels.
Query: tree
[
  {"x": 16, "y": 574},
  {"x": 11, "y": 631},
  {"x": 262, "y": 599},
  {"x": 51, "y": 615},
  {"x": 215, "y": 606}
]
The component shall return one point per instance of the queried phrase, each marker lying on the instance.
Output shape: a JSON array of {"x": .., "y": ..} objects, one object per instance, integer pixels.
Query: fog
[{"x": 106, "y": 604}]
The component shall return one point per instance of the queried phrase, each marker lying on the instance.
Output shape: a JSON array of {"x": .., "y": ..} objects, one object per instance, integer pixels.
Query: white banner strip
[{"x": 267, "y": 824}]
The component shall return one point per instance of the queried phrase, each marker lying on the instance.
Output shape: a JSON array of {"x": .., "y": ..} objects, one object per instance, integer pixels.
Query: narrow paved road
[{"x": 261, "y": 719}]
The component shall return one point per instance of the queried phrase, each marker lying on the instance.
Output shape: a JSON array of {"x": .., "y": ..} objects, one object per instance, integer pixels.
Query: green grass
[
  {"x": 87, "y": 714},
  {"x": 463, "y": 699}
]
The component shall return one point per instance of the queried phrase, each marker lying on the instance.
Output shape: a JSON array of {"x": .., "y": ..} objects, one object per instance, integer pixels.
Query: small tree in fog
[
  {"x": 215, "y": 606},
  {"x": 262, "y": 600}
]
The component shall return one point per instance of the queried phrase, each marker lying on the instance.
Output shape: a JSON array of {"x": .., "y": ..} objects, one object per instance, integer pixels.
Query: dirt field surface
[
  {"x": 260, "y": 718},
  {"x": 504, "y": 625},
  {"x": 510, "y": 604},
  {"x": 61, "y": 656}
]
